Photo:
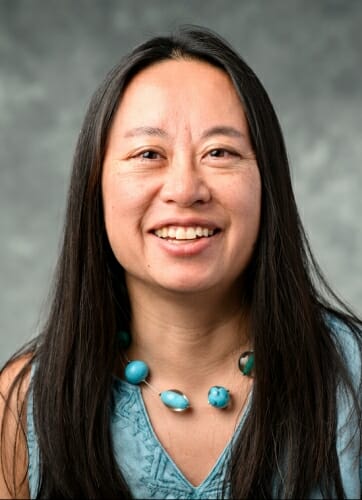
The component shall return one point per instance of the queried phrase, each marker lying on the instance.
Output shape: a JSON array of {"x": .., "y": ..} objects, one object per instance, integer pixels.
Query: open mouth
[{"x": 181, "y": 233}]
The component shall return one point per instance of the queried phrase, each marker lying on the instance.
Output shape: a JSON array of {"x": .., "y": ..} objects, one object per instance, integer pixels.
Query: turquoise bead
[
  {"x": 124, "y": 339},
  {"x": 175, "y": 400},
  {"x": 246, "y": 363},
  {"x": 136, "y": 372},
  {"x": 218, "y": 396}
]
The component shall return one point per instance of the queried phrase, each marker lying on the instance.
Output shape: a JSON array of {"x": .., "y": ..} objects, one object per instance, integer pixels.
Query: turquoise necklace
[{"x": 137, "y": 371}]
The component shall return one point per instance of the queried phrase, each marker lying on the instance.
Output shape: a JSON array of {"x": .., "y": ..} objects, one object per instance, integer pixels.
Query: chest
[
  {"x": 166, "y": 455},
  {"x": 195, "y": 440}
]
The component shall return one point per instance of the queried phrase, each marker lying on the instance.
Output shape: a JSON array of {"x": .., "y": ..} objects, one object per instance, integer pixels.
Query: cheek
[
  {"x": 119, "y": 202},
  {"x": 246, "y": 218},
  {"x": 126, "y": 201},
  {"x": 124, "y": 197},
  {"x": 244, "y": 197}
]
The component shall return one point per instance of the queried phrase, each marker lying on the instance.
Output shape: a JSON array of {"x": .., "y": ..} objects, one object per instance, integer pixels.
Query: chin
[
  {"x": 185, "y": 286},
  {"x": 187, "y": 289}
]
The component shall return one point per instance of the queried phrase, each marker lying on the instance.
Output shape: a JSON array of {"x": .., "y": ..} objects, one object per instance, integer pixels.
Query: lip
[
  {"x": 186, "y": 222},
  {"x": 186, "y": 248}
]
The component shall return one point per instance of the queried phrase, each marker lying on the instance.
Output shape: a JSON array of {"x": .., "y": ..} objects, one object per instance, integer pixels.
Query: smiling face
[{"x": 181, "y": 186}]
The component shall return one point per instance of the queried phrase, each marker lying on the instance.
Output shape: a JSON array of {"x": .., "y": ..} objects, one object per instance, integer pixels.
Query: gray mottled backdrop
[{"x": 54, "y": 53}]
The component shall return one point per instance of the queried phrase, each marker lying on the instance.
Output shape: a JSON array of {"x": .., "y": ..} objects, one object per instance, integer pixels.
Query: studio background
[{"x": 53, "y": 54}]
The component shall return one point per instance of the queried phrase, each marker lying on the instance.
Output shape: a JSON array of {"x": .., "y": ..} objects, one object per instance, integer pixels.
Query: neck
[{"x": 186, "y": 337}]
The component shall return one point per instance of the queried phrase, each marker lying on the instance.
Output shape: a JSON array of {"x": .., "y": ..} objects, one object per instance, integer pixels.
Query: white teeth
[
  {"x": 180, "y": 233},
  {"x": 183, "y": 233},
  {"x": 190, "y": 233}
]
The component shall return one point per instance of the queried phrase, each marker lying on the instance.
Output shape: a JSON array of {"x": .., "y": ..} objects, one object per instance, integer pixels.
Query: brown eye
[
  {"x": 221, "y": 153},
  {"x": 217, "y": 152},
  {"x": 149, "y": 155}
]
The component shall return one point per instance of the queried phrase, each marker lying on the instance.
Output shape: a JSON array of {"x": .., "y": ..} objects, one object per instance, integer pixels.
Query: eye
[
  {"x": 148, "y": 154},
  {"x": 221, "y": 153}
]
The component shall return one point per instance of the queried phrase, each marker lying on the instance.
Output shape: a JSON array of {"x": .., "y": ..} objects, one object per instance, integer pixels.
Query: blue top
[{"x": 151, "y": 473}]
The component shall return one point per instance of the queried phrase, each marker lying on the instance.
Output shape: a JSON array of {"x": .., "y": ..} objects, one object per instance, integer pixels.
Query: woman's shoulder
[
  {"x": 342, "y": 324},
  {"x": 14, "y": 385},
  {"x": 12, "y": 370},
  {"x": 15, "y": 380},
  {"x": 347, "y": 335}
]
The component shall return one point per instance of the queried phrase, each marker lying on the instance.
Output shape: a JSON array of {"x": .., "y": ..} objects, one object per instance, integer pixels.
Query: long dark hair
[{"x": 291, "y": 426}]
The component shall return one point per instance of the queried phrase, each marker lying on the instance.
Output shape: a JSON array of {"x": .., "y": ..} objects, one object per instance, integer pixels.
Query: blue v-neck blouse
[{"x": 151, "y": 473}]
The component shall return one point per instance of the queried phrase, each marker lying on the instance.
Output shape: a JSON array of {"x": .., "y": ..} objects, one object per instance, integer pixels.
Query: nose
[{"x": 184, "y": 184}]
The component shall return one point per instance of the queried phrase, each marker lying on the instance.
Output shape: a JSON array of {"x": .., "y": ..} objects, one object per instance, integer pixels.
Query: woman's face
[{"x": 181, "y": 186}]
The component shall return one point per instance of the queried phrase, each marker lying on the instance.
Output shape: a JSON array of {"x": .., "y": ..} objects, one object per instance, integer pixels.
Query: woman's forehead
[{"x": 176, "y": 95}]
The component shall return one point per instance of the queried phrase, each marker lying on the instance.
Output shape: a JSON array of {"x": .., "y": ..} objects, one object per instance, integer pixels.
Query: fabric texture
[{"x": 151, "y": 473}]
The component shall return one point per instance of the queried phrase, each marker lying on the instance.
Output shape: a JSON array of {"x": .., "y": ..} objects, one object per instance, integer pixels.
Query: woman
[{"x": 185, "y": 282}]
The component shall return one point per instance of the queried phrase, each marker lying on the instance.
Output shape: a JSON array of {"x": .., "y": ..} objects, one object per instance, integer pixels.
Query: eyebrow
[
  {"x": 223, "y": 130},
  {"x": 146, "y": 131},
  {"x": 217, "y": 130}
]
